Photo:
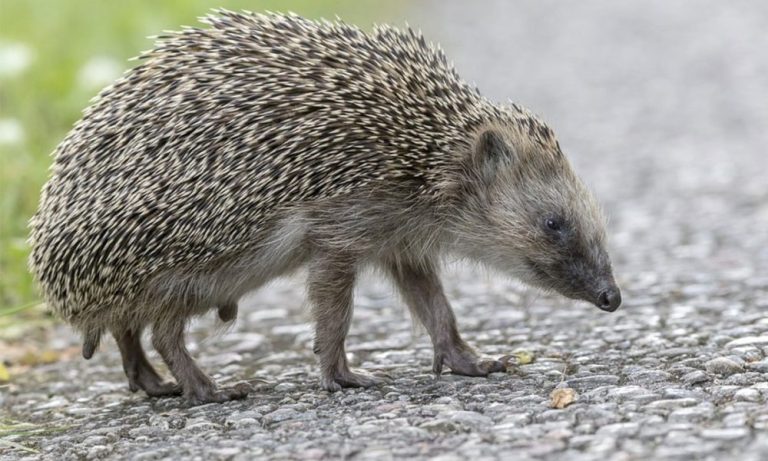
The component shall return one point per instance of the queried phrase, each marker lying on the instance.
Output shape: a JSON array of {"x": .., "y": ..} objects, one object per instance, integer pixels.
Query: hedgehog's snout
[{"x": 609, "y": 299}]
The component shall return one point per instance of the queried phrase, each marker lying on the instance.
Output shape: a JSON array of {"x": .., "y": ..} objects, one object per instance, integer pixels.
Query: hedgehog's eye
[{"x": 553, "y": 224}]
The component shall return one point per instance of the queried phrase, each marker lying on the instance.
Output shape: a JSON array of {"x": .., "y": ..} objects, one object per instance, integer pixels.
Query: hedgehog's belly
[{"x": 281, "y": 251}]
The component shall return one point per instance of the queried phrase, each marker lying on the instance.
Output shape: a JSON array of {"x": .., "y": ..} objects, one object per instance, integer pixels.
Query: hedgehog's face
[{"x": 529, "y": 215}]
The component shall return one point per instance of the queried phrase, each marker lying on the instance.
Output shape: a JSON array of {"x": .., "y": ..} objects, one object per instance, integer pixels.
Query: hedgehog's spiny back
[{"x": 184, "y": 158}]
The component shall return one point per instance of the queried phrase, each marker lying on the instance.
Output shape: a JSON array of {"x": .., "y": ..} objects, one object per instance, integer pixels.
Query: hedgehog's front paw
[
  {"x": 334, "y": 382},
  {"x": 463, "y": 361},
  {"x": 213, "y": 395}
]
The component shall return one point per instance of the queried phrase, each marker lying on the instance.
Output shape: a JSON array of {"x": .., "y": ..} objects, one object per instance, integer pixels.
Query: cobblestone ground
[{"x": 662, "y": 107}]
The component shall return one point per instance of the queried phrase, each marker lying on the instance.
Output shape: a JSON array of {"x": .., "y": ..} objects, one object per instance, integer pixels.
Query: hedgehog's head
[{"x": 525, "y": 212}]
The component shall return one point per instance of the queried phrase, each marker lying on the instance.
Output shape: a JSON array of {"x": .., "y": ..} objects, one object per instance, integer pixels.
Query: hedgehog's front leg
[
  {"x": 197, "y": 387},
  {"x": 330, "y": 285},
  {"x": 423, "y": 293}
]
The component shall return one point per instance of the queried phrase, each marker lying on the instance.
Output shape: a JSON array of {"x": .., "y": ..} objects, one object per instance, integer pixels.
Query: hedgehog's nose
[{"x": 610, "y": 299}]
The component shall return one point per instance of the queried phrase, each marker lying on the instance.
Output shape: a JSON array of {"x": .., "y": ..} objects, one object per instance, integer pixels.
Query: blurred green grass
[{"x": 54, "y": 57}]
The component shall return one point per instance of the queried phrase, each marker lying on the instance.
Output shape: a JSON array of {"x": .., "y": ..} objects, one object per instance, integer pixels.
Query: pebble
[
  {"x": 515, "y": 420},
  {"x": 280, "y": 415},
  {"x": 672, "y": 403},
  {"x": 748, "y": 395},
  {"x": 735, "y": 420},
  {"x": 723, "y": 366},
  {"x": 199, "y": 425},
  {"x": 633, "y": 393},
  {"x": 589, "y": 382},
  {"x": 619, "y": 430},
  {"x": 725, "y": 434},
  {"x": 98, "y": 452},
  {"x": 697, "y": 414},
  {"x": 471, "y": 419},
  {"x": 285, "y": 387},
  {"x": 748, "y": 341},
  {"x": 441, "y": 425},
  {"x": 647, "y": 377},
  {"x": 244, "y": 422},
  {"x": 95, "y": 440},
  {"x": 695, "y": 377},
  {"x": 759, "y": 366},
  {"x": 368, "y": 429}
]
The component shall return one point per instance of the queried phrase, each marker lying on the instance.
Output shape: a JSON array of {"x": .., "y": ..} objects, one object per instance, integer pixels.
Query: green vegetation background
[{"x": 59, "y": 38}]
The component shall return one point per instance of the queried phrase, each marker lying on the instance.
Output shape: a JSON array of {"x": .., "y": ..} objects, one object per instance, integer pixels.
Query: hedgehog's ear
[{"x": 491, "y": 153}]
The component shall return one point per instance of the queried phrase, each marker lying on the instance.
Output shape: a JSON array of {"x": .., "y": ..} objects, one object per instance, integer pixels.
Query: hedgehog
[{"x": 258, "y": 144}]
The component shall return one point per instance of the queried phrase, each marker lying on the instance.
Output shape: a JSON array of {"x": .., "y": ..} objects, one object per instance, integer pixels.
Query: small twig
[
  {"x": 18, "y": 446},
  {"x": 14, "y": 310},
  {"x": 566, "y": 358}
]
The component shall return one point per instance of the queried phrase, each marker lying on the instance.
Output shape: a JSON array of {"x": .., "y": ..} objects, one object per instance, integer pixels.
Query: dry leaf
[
  {"x": 523, "y": 357},
  {"x": 39, "y": 358},
  {"x": 4, "y": 375},
  {"x": 562, "y": 397},
  {"x": 517, "y": 358}
]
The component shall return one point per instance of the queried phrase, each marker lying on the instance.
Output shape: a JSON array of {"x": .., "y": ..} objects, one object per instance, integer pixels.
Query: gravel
[{"x": 661, "y": 107}]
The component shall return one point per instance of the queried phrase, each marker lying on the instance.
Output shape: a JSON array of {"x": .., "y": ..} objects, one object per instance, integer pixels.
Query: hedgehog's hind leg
[
  {"x": 197, "y": 387},
  {"x": 141, "y": 374},
  {"x": 331, "y": 282}
]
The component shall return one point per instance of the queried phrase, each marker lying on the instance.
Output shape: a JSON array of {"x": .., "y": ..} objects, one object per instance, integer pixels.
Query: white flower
[
  {"x": 99, "y": 72},
  {"x": 11, "y": 132},
  {"x": 14, "y": 59}
]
